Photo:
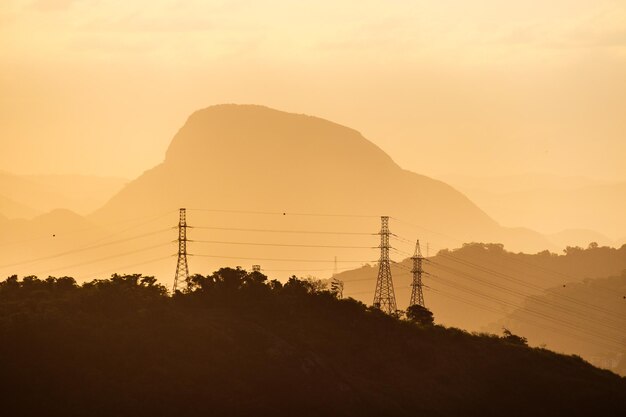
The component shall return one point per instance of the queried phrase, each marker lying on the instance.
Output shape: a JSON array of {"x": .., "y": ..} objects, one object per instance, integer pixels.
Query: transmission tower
[
  {"x": 336, "y": 285},
  {"x": 182, "y": 269},
  {"x": 417, "y": 293},
  {"x": 384, "y": 297}
]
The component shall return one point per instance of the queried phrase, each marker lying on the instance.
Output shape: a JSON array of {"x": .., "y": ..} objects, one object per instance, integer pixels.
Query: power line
[
  {"x": 513, "y": 257},
  {"x": 280, "y": 245},
  {"x": 283, "y": 213},
  {"x": 606, "y": 324},
  {"x": 279, "y": 259},
  {"x": 83, "y": 249},
  {"x": 598, "y": 339},
  {"x": 282, "y": 231},
  {"x": 527, "y": 321},
  {"x": 91, "y": 227},
  {"x": 521, "y": 282},
  {"x": 521, "y": 307},
  {"x": 307, "y": 270},
  {"x": 107, "y": 258},
  {"x": 533, "y": 312},
  {"x": 427, "y": 230},
  {"x": 133, "y": 265}
]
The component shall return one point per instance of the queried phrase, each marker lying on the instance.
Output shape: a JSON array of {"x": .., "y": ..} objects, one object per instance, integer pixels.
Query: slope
[
  {"x": 607, "y": 320},
  {"x": 239, "y": 346},
  {"x": 475, "y": 287}
]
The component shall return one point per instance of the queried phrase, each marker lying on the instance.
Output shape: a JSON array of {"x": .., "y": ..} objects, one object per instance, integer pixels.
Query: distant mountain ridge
[
  {"x": 254, "y": 157},
  {"x": 551, "y": 204},
  {"x": 27, "y": 196}
]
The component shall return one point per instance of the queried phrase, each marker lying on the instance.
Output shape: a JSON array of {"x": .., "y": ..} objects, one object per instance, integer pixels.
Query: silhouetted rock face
[
  {"x": 233, "y": 134},
  {"x": 253, "y": 157}
]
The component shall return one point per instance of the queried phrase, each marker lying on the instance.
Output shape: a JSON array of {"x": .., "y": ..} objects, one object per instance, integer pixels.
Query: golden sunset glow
[
  {"x": 445, "y": 87},
  {"x": 313, "y": 208}
]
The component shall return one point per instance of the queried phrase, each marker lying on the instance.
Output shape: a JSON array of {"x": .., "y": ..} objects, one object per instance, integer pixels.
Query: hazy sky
[{"x": 444, "y": 86}]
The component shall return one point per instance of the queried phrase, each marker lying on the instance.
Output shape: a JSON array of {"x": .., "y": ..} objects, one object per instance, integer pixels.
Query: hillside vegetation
[
  {"x": 480, "y": 284},
  {"x": 235, "y": 343}
]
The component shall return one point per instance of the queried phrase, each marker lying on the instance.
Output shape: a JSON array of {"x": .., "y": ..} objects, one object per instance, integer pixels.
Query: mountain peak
[{"x": 230, "y": 135}]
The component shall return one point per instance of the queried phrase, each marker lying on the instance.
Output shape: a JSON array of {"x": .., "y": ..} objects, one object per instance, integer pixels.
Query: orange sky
[{"x": 447, "y": 86}]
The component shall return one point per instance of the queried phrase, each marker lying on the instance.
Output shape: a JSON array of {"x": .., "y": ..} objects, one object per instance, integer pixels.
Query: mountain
[
  {"x": 49, "y": 244},
  {"x": 230, "y": 158},
  {"x": 26, "y": 196},
  {"x": 14, "y": 210},
  {"x": 237, "y": 345},
  {"x": 549, "y": 204},
  {"x": 82, "y": 193},
  {"x": 595, "y": 309}
]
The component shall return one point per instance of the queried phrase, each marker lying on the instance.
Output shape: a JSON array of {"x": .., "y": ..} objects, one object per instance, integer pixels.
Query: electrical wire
[
  {"x": 531, "y": 322},
  {"x": 283, "y": 213},
  {"x": 282, "y": 231},
  {"x": 83, "y": 249},
  {"x": 532, "y": 311},
  {"x": 520, "y": 282},
  {"x": 106, "y": 258},
  {"x": 91, "y": 227},
  {"x": 608, "y": 324},
  {"x": 281, "y": 245},
  {"x": 278, "y": 259},
  {"x": 150, "y": 261}
]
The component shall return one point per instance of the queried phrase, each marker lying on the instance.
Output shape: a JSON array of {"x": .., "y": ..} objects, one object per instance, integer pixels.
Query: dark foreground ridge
[{"x": 236, "y": 344}]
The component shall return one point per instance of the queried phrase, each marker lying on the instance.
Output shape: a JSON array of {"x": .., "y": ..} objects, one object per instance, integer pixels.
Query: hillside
[
  {"x": 594, "y": 331},
  {"x": 475, "y": 287},
  {"x": 239, "y": 345}
]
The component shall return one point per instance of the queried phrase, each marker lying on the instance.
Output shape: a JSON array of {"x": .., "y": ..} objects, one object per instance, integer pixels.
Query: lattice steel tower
[
  {"x": 182, "y": 269},
  {"x": 384, "y": 297},
  {"x": 417, "y": 293},
  {"x": 336, "y": 285}
]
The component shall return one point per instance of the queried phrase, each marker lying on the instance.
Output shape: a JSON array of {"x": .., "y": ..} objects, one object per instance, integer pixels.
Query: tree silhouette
[
  {"x": 239, "y": 344},
  {"x": 421, "y": 315},
  {"x": 513, "y": 338}
]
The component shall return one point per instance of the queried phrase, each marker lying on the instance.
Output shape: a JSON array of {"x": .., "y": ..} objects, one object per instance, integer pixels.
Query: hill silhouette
[
  {"x": 34, "y": 246},
  {"x": 607, "y": 321},
  {"x": 15, "y": 210},
  {"x": 27, "y": 196},
  {"x": 242, "y": 156},
  {"x": 236, "y": 344},
  {"x": 551, "y": 204},
  {"x": 476, "y": 286}
]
